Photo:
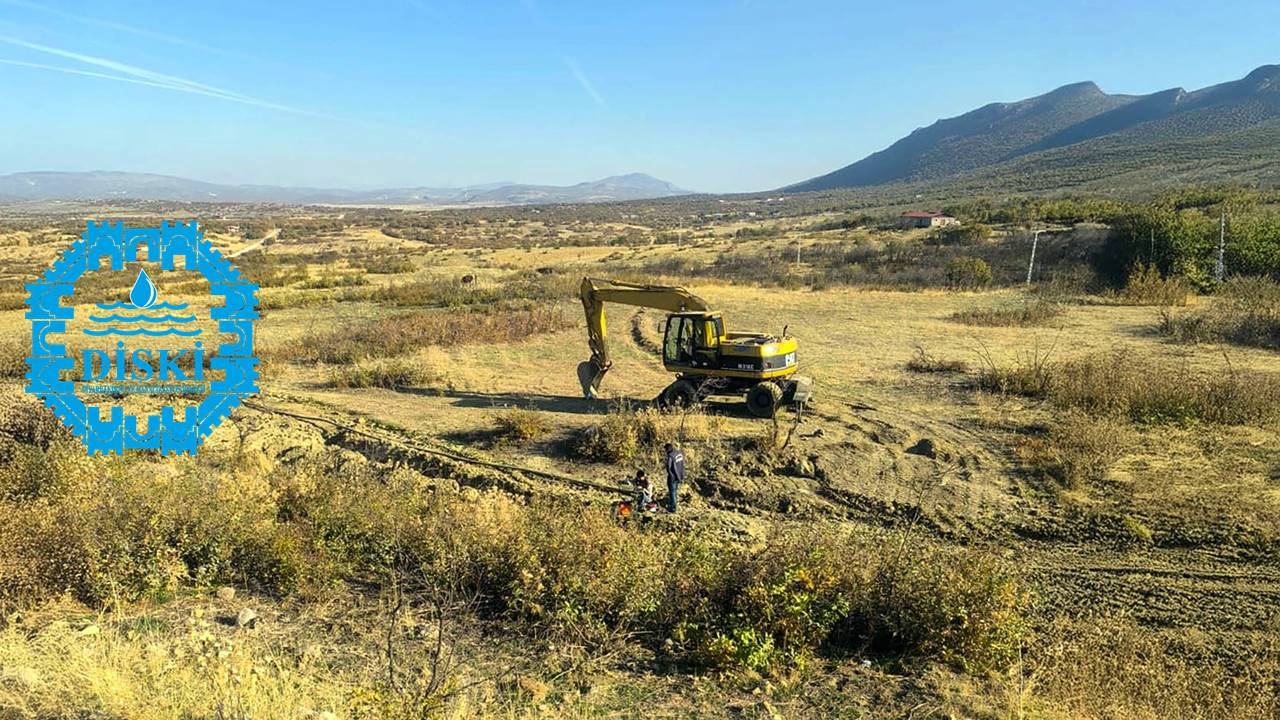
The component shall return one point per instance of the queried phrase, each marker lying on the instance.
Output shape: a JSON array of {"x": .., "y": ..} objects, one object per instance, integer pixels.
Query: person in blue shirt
[{"x": 675, "y": 474}]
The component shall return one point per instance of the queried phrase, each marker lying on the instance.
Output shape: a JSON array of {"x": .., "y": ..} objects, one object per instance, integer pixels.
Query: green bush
[
  {"x": 961, "y": 234},
  {"x": 968, "y": 273},
  {"x": 790, "y": 596},
  {"x": 961, "y": 607},
  {"x": 1146, "y": 286}
]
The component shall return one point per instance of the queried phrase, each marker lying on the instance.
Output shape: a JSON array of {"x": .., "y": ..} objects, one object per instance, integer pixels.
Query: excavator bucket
[{"x": 589, "y": 376}]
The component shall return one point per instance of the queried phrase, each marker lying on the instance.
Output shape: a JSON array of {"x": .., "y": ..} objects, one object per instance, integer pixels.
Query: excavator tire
[
  {"x": 763, "y": 399},
  {"x": 680, "y": 393}
]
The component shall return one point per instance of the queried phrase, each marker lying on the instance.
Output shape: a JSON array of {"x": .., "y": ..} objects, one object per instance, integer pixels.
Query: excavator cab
[{"x": 692, "y": 340}]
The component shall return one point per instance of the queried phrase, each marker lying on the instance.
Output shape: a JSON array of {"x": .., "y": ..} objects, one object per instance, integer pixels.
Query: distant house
[{"x": 926, "y": 219}]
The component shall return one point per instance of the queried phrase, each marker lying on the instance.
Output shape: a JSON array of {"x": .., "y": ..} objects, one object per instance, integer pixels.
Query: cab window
[
  {"x": 678, "y": 348},
  {"x": 671, "y": 349}
]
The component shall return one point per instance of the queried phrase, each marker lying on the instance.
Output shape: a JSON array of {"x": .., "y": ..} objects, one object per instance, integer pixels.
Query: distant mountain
[
  {"x": 142, "y": 186},
  {"x": 1079, "y": 135}
]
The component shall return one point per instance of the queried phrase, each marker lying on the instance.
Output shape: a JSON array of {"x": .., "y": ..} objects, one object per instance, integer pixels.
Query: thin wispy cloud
[
  {"x": 163, "y": 37},
  {"x": 82, "y": 73},
  {"x": 535, "y": 12},
  {"x": 143, "y": 76},
  {"x": 583, "y": 81}
]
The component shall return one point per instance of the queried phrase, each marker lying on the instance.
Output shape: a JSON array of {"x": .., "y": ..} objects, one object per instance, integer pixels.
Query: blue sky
[{"x": 714, "y": 96}]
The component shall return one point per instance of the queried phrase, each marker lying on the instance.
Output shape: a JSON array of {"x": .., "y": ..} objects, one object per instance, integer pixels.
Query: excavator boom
[{"x": 596, "y": 292}]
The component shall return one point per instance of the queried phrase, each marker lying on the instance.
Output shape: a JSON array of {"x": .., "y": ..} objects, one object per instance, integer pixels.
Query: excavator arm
[{"x": 595, "y": 293}]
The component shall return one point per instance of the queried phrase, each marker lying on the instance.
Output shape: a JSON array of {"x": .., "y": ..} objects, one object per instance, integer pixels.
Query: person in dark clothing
[
  {"x": 675, "y": 474},
  {"x": 644, "y": 490}
]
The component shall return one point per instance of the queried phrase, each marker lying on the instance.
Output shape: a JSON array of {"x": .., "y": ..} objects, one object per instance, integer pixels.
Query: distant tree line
[{"x": 1177, "y": 233}]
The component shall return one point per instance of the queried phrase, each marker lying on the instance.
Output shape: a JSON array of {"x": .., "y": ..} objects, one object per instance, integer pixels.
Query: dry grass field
[{"x": 1067, "y": 514}]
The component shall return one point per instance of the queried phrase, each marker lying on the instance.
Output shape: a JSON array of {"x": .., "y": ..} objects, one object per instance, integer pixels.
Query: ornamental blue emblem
[{"x": 134, "y": 368}]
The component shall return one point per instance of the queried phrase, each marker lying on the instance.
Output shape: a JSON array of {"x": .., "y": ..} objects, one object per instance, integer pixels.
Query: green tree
[{"x": 968, "y": 273}]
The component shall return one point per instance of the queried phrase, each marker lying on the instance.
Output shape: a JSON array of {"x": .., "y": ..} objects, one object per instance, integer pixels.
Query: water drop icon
[{"x": 143, "y": 294}]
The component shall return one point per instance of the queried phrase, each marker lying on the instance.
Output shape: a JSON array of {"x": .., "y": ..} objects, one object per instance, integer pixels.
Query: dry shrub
[
  {"x": 285, "y": 298},
  {"x": 387, "y": 265},
  {"x": 549, "y": 568},
  {"x": 55, "y": 671},
  {"x": 125, "y": 528},
  {"x": 1146, "y": 286},
  {"x": 521, "y": 424},
  {"x": 1247, "y": 312},
  {"x": 778, "y": 605},
  {"x": 923, "y": 362},
  {"x": 1030, "y": 373},
  {"x": 1085, "y": 447},
  {"x": 405, "y": 334},
  {"x": 1159, "y": 391},
  {"x": 611, "y": 440},
  {"x": 391, "y": 374},
  {"x": 625, "y": 432},
  {"x": 1099, "y": 668},
  {"x": 452, "y": 292},
  {"x": 1029, "y": 313},
  {"x": 38, "y": 455},
  {"x": 115, "y": 530},
  {"x": 325, "y": 282},
  {"x": 13, "y": 301},
  {"x": 1145, "y": 390},
  {"x": 27, "y": 420},
  {"x": 13, "y": 359}
]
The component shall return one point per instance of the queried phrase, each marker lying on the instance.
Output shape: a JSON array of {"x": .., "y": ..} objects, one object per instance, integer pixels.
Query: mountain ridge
[
  {"x": 1072, "y": 124},
  {"x": 118, "y": 185}
]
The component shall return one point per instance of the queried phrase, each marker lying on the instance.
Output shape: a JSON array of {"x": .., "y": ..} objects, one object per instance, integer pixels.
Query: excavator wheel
[
  {"x": 763, "y": 399},
  {"x": 680, "y": 393}
]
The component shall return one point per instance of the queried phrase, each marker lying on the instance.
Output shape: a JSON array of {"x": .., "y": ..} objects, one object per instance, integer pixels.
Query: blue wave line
[
  {"x": 142, "y": 331},
  {"x": 143, "y": 318},
  {"x": 125, "y": 305}
]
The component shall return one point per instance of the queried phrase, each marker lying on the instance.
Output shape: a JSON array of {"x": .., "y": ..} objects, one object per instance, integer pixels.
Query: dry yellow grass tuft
[
  {"x": 188, "y": 671},
  {"x": 522, "y": 424}
]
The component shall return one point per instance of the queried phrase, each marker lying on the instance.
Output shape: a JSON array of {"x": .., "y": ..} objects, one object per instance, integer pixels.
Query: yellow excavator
[{"x": 706, "y": 359}]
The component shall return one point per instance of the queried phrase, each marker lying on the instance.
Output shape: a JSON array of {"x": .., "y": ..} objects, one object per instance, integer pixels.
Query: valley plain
[{"x": 1003, "y": 501}]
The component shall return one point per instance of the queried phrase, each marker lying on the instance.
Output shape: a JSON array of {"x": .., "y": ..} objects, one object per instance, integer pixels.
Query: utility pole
[
  {"x": 1220, "y": 268},
  {"x": 1035, "y": 241}
]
